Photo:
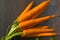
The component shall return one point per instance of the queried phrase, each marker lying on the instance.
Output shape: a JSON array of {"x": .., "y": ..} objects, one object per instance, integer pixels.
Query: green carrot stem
[
  {"x": 11, "y": 31},
  {"x": 13, "y": 27},
  {"x": 52, "y": 38},
  {"x": 37, "y": 38},
  {"x": 16, "y": 34}
]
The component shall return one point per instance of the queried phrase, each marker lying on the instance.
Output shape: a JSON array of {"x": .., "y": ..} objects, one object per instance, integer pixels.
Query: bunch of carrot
[
  {"x": 25, "y": 22},
  {"x": 38, "y": 31}
]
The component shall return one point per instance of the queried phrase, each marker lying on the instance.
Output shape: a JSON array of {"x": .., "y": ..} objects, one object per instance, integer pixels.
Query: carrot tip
[
  {"x": 58, "y": 33},
  {"x": 53, "y": 16},
  {"x": 32, "y": 2}
]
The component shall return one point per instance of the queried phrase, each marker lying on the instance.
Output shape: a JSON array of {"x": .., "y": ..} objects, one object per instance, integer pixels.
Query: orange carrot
[
  {"x": 26, "y": 10},
  {"x": 40, "y": 11},
  {"x": 43, "y": 27},
  {"x": 37, "y": 14},
  {"x": 47, "y": 34},
  {"x": 33, "y": 11},
  {"x": 38, "y": 27},
  {"x": 36, "y": 31},
  {"x": 33, "y": 22},
  {"x": 40, "y": 35}
]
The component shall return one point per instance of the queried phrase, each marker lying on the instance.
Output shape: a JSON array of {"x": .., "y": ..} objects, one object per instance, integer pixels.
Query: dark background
[{"x": 10, "y": 9}]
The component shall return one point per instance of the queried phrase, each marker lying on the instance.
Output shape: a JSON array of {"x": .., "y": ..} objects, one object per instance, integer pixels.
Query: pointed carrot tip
[
  {"x": 53, "y": 16},
  {"x": 58, "y": 33},
  {"x": 48, "y": 1},
  {"x": 32, "y": 2}
]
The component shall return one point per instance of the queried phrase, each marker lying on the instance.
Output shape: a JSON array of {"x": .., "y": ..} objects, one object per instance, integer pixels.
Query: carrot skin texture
[
  {"x": 37, "y": 14},
  {"x": 33, "y": 22},
  {"x": 41, "y": 35},
  {"x": 39, "y": 27},
  {"x": 24, "y": 12},
  {"x": 47, "y": 34},
  {"x": 36, "y": 31},
  {"x": 33, "y": 11},
  {"x": 40, "y": 11}
]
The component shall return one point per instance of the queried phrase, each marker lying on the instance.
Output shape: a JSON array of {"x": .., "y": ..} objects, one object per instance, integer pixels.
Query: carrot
[
  {"x": 40, "y": 11},
  {"x": 16, "y": 22},
  {"x": 47, "y": 34},
  {"x": 33, "y": 11},
  {"x": 40, "y": 35},
  {"x": 39, "y": 27},
  {"x": 26, "y": 10},
  {"x": 33, "y": 22},
  {"x": 37, "y": 14},
  {"x": 36, "y": 31},
  {"x": 43, "y": 27}
]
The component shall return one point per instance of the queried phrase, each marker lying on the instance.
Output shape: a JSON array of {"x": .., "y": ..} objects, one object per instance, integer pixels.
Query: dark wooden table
[{"x": 10, "y": 9}]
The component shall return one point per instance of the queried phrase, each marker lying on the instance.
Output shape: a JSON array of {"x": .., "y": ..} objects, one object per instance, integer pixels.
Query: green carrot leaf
[
  {"x": 52, "y": 38},
  {"x": 37, "y": 38}
]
